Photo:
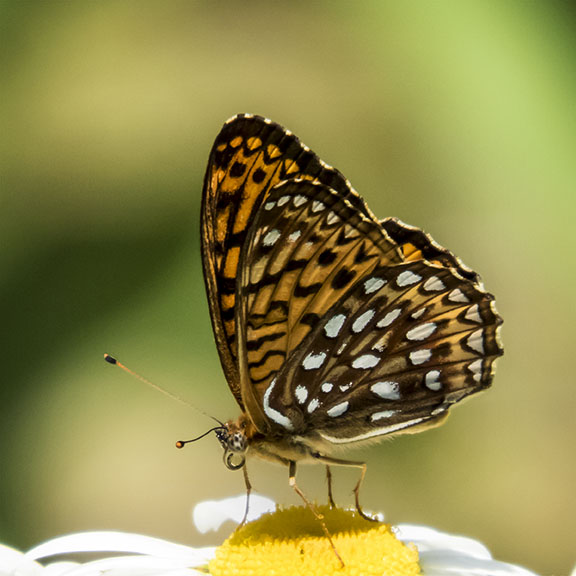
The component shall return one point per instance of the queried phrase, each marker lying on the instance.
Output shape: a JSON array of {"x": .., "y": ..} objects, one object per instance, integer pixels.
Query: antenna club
[
  {"x": 180, "y": 444},
  {"x": 110, "y": 359}
]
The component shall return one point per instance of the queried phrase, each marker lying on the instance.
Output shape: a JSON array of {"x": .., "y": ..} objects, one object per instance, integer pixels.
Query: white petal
[
  {"x": 429, "y": 539},
  {"x": 14, "y": 562},
  {"x": 134, "y": 566},
  {"x": 59, "y": 568},
  {"x": 442, "y": 554},
  {"x": 445, "y": 563},
  {"x": 117, "y": 542},
  {"x": 211, "y": 514}
]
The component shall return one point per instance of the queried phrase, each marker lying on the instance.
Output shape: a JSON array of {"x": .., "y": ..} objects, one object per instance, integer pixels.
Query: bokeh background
[{"x": 458, "y": 117}]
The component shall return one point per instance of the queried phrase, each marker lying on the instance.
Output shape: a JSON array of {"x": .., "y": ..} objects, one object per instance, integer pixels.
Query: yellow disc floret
[{"x": 291, "y": 542}]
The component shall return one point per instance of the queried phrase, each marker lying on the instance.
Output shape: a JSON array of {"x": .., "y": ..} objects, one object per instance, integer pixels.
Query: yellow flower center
[{"x": 291, "y": 542}]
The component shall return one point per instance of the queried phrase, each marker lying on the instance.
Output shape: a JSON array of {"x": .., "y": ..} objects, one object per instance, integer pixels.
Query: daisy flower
[{"x": 286, "y": 541}]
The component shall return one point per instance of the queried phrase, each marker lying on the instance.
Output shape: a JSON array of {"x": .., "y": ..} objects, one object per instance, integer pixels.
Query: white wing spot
[
  {"x": 318, "y": 206},
  {"x": 274, "y": 415},
  {"x": 294, "y": 236},
  {"x": 283, "y": 200},
  {"x": 434, "y": 284},
  {"x": 373, "y": 284},
  {"x": 476, "y": 341},
  {"x": 389, "y": 318},
  {"x": 313, "y": 361},
  {"x": 299, "y": 200},
  {"x": 349, "y": 231},
  {"x": 345, "y": 387},
  {"x": 314, "y": 403},
  {"x": 407, "y": 278},
  {"x": 498, "y": 335},
  {"x": 327, "y": 387},
  {"x": 418, "y": 313},
  {"x": 338, "y": 410},
  {"x": 422, "y": 331},
  {"x": 386, "y": 390},
  {"x": 269, "y": 205},
  {"x": 476, "y": 369},
  {"x": 432, "y": 380},
  {"x": 473, "y": 314},
  {"x": 362, "y": 321},
  {"x": 333, "y": 218},
  {"x": 384, "y": 414},
  {"x": 420, "y": 356},
  {"x": 334, "y": 325},
  {"x": 271, "y": 238},
  {"x": 365, "y": 361},
  {"x": 301, "y": 393},
  {"x": 458, "y": 296}
]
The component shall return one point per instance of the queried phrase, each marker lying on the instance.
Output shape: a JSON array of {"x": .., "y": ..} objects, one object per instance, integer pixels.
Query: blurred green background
[{"x": 458, "y": 117}]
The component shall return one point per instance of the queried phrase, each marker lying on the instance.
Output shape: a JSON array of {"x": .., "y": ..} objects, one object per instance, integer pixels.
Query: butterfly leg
[
  {"x": 319, "y": 517},
  {"x": 356, "y": 495},
  {"x": 248, "y": 490},
  {"x": 351, "y": 464},
  {"x": 329, "y": 480}
]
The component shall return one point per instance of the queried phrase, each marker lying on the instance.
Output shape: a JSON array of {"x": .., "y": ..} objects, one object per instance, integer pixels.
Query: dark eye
[{"x": 238, "y": 442}]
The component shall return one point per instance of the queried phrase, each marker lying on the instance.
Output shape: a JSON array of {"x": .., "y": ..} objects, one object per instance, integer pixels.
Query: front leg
[{"x": 248, "y": 490}]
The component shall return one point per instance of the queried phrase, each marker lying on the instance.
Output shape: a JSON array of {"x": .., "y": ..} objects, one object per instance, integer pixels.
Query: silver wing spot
[
  {"x": 407, "y": 278},
  {"x": 476, "y": 341},
  {"x": 387, "y": 390},
  {"x": 338, "y": 410},
  {"x": 434, "y": 284},
  {"x": 313, "y": 361},
  {"x": 334, "y": 325},
  {"x": 389, "y": 318},
  {"x": 421, "y": 332},
  {"x": 362, "y": 321},
  {"x": 432, "y": 380},
  {"x": 365, "y": 361},
  {"x": 458, "y": 296},
  {"x": 420, "y": 356},
  {"x": 273, "y": 414}
]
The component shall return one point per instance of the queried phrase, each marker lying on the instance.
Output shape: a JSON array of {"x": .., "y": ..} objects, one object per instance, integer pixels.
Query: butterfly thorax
[{"x": 240, "y": 438}]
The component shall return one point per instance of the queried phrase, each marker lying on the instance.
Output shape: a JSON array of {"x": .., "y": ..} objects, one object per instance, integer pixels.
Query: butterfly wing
[
  {"x": 348, "y": 334},
  {"x": 250, "y": 155}
]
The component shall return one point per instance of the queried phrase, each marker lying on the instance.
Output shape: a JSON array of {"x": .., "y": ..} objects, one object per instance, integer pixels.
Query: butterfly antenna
[
  {"x": 182, "y": 443},
  {"x": 114, "y": 361}
]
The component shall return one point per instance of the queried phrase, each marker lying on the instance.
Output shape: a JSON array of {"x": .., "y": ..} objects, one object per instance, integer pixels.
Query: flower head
[{"x": 291, "y": 541}]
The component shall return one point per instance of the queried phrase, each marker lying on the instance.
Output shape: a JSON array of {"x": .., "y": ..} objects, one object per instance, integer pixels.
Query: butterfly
[{"x": 333, "y": 328}]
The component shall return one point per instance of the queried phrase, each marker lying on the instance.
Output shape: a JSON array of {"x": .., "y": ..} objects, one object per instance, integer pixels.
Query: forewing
[{"x": 250, "y": 155}]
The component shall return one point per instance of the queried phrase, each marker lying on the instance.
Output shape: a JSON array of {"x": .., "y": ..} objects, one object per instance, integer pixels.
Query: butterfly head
[{"x": 235, "y": 443}]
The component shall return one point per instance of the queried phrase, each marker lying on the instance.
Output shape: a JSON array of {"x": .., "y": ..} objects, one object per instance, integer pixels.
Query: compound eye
[{"x": 237, "y": 442}]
